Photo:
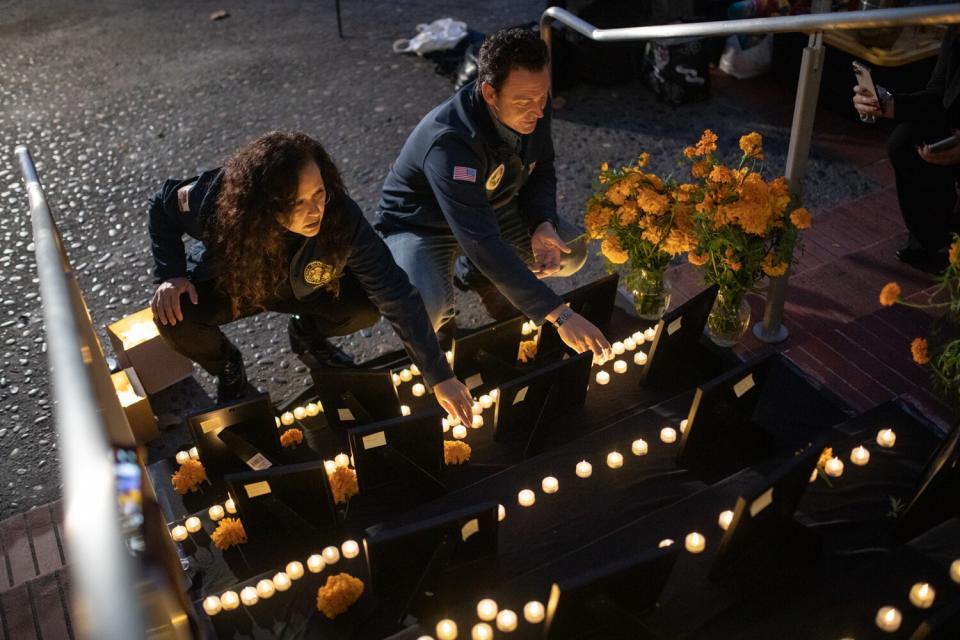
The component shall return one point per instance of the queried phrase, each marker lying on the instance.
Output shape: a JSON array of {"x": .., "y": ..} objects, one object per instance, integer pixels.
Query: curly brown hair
[{"x": 260, "y": 183}]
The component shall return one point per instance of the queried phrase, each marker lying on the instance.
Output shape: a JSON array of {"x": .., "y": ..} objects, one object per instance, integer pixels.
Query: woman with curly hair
[{"x": 277, "y": 231}]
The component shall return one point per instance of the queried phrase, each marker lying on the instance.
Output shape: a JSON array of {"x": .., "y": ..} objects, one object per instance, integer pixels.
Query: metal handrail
[
  {"x": 103, "y": 572},
  {"x": 772, "y": 330}
]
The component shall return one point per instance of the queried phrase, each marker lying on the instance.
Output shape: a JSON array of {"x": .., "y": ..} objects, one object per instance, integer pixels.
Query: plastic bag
[
  {"x": 747, "y": 63},
  {"x": 439, "y": 35}
]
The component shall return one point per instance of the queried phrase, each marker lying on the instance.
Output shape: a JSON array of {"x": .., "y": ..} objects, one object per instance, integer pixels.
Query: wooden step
[
  {"x": 38, "y": 609},
  {"x": 32, "y": 544}
]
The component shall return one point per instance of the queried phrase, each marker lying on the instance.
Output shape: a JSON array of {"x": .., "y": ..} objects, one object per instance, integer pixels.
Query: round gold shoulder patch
[
  {"x": 317, "y": 273},
  {"x": 494, "y": 180}
]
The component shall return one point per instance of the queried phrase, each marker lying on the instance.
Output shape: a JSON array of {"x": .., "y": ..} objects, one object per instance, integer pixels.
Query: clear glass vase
[
  {"x": 651, "y": 292},
  {"x": 729, "y": 318}
]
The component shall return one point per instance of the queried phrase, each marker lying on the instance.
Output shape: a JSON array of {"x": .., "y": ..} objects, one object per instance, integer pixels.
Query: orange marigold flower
[
  {"x": 825, "y": 455},
  {"x": 338, "y": 594},
  {"x": 729, "y": 259},
  {"x": 188, "y": 477},
  {"x": 677, "y": 242},
  {"x": 627, "y": 214},
  {"x": 773, "y": 266},
  {"x": 699, "y": 169},
  {"x": 752, "y": 145},
  {"x": 527, "y": 351},
  {"x": 889, "y": 294},
  {"x": 604, "y": 166},
  {"x": 291, "y": 437},
  {"x": 955, "y": 251},
  {"x": 652, "y": 202},
  {"x": 919, "y": 348},
  {"x": 643, "y": 160},
  {"x": 229, "y": 532},
  {"x": 455, "y": 452},
  {"x": 343, "y": 484},
  {"x": 698, "y": 259},
  {"x": 596, "y": 220},
  {"x": 612, "y": 249},
  {"x": 707, "y": 143},
  {"x": 801, "y": 218},
  {"x": 689, "y": 152},
  {"x": 720, "y": 174},
  {"x": 617, "y": 193}
]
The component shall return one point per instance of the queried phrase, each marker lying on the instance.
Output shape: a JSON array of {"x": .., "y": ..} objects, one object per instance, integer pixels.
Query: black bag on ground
[{"x": 677, "y": 70}]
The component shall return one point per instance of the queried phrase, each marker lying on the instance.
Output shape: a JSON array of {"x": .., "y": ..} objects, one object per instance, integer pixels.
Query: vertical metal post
[
  {"x": 339, "y": 22},
  {"x": 771, "y": 330}
]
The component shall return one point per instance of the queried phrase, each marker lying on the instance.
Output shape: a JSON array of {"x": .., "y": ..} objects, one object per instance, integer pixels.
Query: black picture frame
[
  {"x": 677, "y": 341},
  {"x": 485, "y": 357},
  {"x": 935, "y": 497},
  {"x": 593, "y": 301},
  {"x": 352, "y": 397}
]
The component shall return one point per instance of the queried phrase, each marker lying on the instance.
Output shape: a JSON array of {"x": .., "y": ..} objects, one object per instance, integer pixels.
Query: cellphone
[
  {"x": 865, "y": 80},
  {"x": 942, "y": 145}
]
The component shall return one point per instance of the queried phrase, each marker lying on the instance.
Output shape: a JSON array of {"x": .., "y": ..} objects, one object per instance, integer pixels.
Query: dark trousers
[
  {"x": 320, "y": 315},
  {"x": 927, "y": 192}
]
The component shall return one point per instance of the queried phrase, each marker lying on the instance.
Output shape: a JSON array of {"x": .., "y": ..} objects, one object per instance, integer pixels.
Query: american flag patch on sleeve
[{"x": 465, "y": 174}]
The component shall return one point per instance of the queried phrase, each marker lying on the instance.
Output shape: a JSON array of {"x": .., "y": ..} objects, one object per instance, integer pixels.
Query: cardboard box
[
  {"x": 135, "y": 405},
  {"x": 138, "y": 344}
]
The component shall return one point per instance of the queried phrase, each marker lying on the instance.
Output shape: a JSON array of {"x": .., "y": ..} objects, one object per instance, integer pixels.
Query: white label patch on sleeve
[{"x": 183, "y": 197}]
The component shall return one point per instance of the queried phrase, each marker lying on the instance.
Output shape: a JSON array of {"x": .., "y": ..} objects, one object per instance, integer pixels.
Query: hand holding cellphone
[
  {"x": 942, "y": 145},
  {"x": 865, "y": 80}
]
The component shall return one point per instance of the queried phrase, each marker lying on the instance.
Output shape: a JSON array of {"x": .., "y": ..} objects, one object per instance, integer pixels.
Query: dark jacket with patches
[
  {"x": 422, "y": 195},
  {"x": 185, "y": 206}
]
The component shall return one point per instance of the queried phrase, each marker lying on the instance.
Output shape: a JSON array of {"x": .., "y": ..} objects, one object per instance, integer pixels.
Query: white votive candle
[
  {"x": 277, "y": 420},
  {"x": 449, "y": 356},
  {"x": 329, "y": 466},
  {"x": 614, "y": 460},
  {"x": 248, "y": 596},
  {"x": 639, "y": 447},
  {"x": 630, "y": 344},
  {"x": 638, "y": 337},
  {"x": 230, "y": 506},
  {"x": 526, "y": 498},
  {"x": 447, "y": 630},
  {"x": 859, "y": 456},
  {"x": 486, "y": 401},
  {"x": 550, "y": 484},
  {"x": 618, "y": 348},
  {"x": 584, "y": 469},
  {"x": 955, "y": 571},
  {"x": 404, "y": 410},
  {"x": 182, "y": 456},
  {"x": 406, "y": 375},
  {"x": 315, "y": 563},
  {"x": 419, "y": 389},
  {"x": 527, "y": 328},
  {"x": 230, "y": 600},
  {"x": 620, "y": 366},
  {"x": 683, "y": 425},
  {"x": 453, "y": 420},
  {"x": 341, "y": 460},
  {"x": 602, "y": 377},
  {"x": 640, "y": 358},
  {"x": 477, "y": 422},
  {"x": 295, "y": 570},
  {"x": 211, "y": 605},
  {"x": 266, "y": 589},
  {"x": 313, "y": 409},
  {"x": 286, "y": 418},
  {"x": 193, "y": 524},
  {"x": 668, "y": 435},
  {"x": 350, "y": 549},
  {"x": 299, "y": 413},
  {"x": 649, "y": 334},
  {"x": 507, "y": 621},
  {"x": 501, "y": 513},
  {"x": 833, "y": 467},
  {"x": 396, "y": 379},
  {"x": 494, "y": 394},
  {"x": 281, "y": 581},
  {"x": 886, "y": 438},
  {"x": 215, "y": 512},
  {"x": 414, "y": 370},
  {"x": 459, "y": 432},
  {"x": 194, "y": 453},
  {"x": 726, "y": 517},
  {"x": 487, "y": 609},
  {"x": 666, "y": 542},
  {"x": 481, "y": 631},
  {"x": 922, "y": 595},
  {"x": 695, "y": 542},
  {"x": 889, "y": 619},
  {"x": 331, "y": 555},
  {"x": 533, "y": 612},
  {"x": 445, "y": 424},
  {"x": 179, "y": 533},
  {"x": 476, "y": 408}
]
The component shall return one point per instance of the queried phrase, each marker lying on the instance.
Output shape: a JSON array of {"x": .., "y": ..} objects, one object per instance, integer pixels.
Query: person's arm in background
[{"x": 169, "y": 257}]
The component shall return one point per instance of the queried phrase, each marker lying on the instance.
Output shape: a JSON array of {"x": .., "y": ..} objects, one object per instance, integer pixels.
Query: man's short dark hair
[{"x": 510, "y": 49}]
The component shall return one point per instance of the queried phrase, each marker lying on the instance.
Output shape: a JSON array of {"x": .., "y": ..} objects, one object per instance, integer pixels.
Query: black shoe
[
  {"x": 496, "y": 304},
  {"x": 232, "y": 383},
  {"x": 928, "y": 260},
  {"x": 323, "y": 354}
]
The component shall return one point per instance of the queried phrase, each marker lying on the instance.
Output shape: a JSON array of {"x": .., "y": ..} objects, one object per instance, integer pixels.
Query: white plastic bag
[
  {"x": 439, "y": 35},
  {"x": 747, "y": 63}
]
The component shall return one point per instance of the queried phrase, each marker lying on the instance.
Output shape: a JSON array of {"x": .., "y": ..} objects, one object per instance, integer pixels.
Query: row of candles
[
  {"x": 488, "y": 611},
  {"x": 192, "y": 524},
  {"x": 859, "y": 456},
  {"x": 627, "y": 344},
  {"x": 921, "y": 595},
  {"x": 281, "y": 581}
]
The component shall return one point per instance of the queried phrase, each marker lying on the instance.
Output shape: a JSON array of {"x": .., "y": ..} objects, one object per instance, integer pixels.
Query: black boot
[
  {"x": 468, "y": 278},
  {"x": 313, "y": 350},
  {"x": 232, "y": 383}
]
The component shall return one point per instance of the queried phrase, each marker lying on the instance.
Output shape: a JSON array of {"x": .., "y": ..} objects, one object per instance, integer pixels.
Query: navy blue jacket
[
  {"x": 445, "y": 182},
  {"x": 184, "y": 207}
]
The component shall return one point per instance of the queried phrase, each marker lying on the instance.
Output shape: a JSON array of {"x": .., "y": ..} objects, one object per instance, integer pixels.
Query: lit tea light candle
[
  {"x": 695, "y": 543},
  {"x": 281, "y": 581},
  {"x": 526, "y": 498},
  {"x": 230, "y": 600},
  {"x": 350, "y": 549},
  {"x": 230, "y": 506},
  {"x": 922, "y": 595},
  {"x": 295, "y": 570},
  {"x": 620, "y": 366},
  {"x": 886, "y": 438},
  {"x": 447, "y": 630},
  {"x": 404, "y": 410},
  {"x": 396, "y": 379},
  {"x": 414, "y": 370},
  {"x": 266, "y": 589},
  {"x": 630, "y": 344},
  {"x": 193, "y": 524},
  {"x": 449, "y": 356},
  {"x": 445, "y": 424},
  {"x": 299, "y": 413},
  {"x": 603, "y": 377},
  {"x": 331, "y": 555},
  {"x": 501, "y": 513},
  {"x": 277, "y": 420},
  {"x": 453, "y": 420},
  {"x": 584, "y": 469},
  {"x": 313, "y": 409},
  {"x": 481, "y": 631},
  {"x": 683, "y": 425},
  {"x": 955, "y": 571},
  {"x": 477, "y": 422},
  {"x": 666, "y": 542},
  {"x": 286, "y": 418},
  {"x": 614, "y": 460},
  {"x": 194, "y": 454},
  {"x": 640, "y": 358},
  {"x": 341, "y": 460},
  {"x": 550, "y": 484},
  {"x": 726, "y": 517},
  {"x": 833, "y": 467},
  {"x": 668, "y": 435},
  {"x": 486, "y": 401},
  {"x": 859, "y": 456},
  {"x": 419, "y": 390},
  {"x": 459, "y": 432},
  {"x": 618, "y": 348},
  {"x": 406, "y": 375},
  {"x": 329, "y": 466},
  {"x": 638, "y": 337},
  {"x": 211, "y": 605},
  {"x": 476, "y": 408},
  {"x": 487, "y": 609},
  {"x": 639, "y": 447},
  {"x": 533, "y": 612},
  {"x": 649, "y": 334},
  {"x": 248, "y": 596},
  {"x": 315, "y": 563},
  {"x": 494, "y": 394},
  {"x": 215, "y": 512},
  {"x": 813, "y": 475},
  {"x": 507, "y": 621},
  {"x": 179, "y": 533},
  {"x": 889, "y": 619},
  {"x": 182, "y": 456}
]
